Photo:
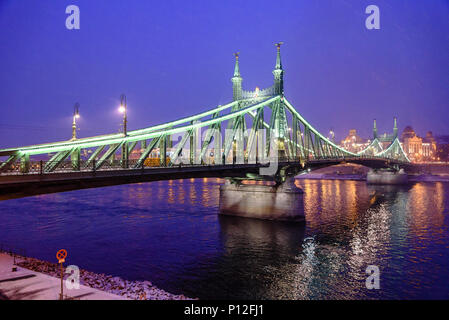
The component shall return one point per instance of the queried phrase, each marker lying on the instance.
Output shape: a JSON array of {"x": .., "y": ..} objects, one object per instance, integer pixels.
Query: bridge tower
[
  {"x": 279, "y": 117},
  {"x": 236, "y": 80},
  {"x": 236, "y": 127},
  {"x": 278, "y": 72}
]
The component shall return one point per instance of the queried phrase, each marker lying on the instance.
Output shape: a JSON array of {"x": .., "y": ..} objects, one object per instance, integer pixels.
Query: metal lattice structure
[{"x": 256, "y": 127}]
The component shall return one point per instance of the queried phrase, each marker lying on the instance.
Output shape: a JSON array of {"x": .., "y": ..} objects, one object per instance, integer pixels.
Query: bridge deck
[{"x": 16, "y": 185}]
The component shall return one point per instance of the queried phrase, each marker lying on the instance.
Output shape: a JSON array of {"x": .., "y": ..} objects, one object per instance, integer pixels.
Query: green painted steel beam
[
  {"x": 108, "y": 154},
  {"x": 320, "y": 146},
  {"x": 11, "y": 159},
  {"x": 400, "y": 150},
  {"x": 163, "y": 150},
  {"x": 179, "y": 147},
  {"x": 292, "y": 110},
  {"x": 146, "y": 152},
  {"x": 50, "y": 148},
  {"x": 105, "y": 139},
  {"x": 57, "y": 160},
  {"x": 94, "y": 155},
  {"x": 75, "y": 157}
]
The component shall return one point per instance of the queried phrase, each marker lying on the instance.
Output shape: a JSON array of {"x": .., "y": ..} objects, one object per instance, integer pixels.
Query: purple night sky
[{"x": 175, "y": 58}]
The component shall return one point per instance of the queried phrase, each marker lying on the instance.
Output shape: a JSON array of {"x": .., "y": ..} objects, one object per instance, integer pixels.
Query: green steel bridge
[{"x": 259, "y": 136}]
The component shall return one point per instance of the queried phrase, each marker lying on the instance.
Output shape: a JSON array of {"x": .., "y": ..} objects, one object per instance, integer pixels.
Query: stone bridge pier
[
  {"x": 282, "y": 201},
  {"x": 387, "y": 177}
]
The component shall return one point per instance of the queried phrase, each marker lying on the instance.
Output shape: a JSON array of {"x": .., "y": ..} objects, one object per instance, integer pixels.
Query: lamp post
[
  {"x": 76, "y": 115},
  {"x": 122, "y": 109}
]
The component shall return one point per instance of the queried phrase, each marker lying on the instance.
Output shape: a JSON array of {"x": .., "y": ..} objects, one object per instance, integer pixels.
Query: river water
[{"x": 170, "y": 233}]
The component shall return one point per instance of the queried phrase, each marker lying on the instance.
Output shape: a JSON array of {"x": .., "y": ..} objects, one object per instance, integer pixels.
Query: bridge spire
[
  {"x": 375, "y": 130},
  {"x": 237, "y": 80},
  {"x": 278, "y": 72}
]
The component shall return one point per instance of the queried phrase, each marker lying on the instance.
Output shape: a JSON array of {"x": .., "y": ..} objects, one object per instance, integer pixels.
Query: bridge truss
[{"x": 258, "y": 126}]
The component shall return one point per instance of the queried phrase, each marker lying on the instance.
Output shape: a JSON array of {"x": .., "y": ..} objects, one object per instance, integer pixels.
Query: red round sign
[{"x": 61, "y": 255}]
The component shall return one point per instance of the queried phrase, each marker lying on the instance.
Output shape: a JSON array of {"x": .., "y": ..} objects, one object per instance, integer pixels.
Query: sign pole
[
  {"x": 62, "y": 287},
  {"x": 61, "y": 255}
]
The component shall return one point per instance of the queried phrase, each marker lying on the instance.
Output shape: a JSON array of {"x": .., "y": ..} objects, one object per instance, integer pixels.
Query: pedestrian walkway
[{"x": 24, "y": 284}]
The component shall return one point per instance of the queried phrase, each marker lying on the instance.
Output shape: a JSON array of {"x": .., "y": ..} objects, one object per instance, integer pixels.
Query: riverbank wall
[
  {"x": 420, "y": 173},
  {"x": 354, "y": 177}
]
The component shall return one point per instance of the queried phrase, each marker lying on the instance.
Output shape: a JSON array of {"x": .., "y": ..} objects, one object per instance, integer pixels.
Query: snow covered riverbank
[{"x": 136, "y": 290}]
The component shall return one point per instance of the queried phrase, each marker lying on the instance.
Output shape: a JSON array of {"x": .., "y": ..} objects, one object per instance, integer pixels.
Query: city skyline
[{"x": 164, "y": 71}]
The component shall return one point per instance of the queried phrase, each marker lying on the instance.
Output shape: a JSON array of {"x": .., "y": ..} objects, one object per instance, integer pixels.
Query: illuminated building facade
[
  {"x": 419, "y": 149},
  {"x": 354, "y": 143}
]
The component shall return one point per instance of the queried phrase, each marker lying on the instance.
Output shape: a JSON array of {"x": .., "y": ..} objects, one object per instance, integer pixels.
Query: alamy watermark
[
  {"x": 73, "y": 280},
  {"x": 372, "y": 22},
  {"x": 211, "y": 146},
  {"x": 373, "y": 279},
  {"x": 72, "y": 22}
]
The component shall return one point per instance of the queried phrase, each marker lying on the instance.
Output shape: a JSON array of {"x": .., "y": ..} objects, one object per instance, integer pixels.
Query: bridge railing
[
  {"x": 46, "y": 167},
  {"x": 41, "y": 167},
  {"x": 52, "y": 167}
]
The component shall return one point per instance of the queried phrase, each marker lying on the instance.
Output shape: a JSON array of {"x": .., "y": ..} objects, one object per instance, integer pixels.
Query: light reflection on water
[{"x": 169, "y": 232}]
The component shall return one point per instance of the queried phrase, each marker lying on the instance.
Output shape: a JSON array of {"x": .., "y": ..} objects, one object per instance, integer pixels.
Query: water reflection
[
  {"x": 254, "y": 250},
  {"x": 257, "y": 235},
  {"x": 169, "y": 233}
]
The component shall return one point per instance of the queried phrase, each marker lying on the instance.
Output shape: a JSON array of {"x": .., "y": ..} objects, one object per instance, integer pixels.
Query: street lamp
[
  {"x": 122, "y": 109},
  {"x": 76, "y": 115}
]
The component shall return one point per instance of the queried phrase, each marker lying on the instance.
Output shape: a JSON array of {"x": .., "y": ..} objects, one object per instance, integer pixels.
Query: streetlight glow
[
  {"x": 122, "y": 109},
  {"x": 76, "y": 115}
]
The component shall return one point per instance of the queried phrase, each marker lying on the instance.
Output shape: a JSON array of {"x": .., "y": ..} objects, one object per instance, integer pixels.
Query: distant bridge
[{"x": 259, "y": 136}]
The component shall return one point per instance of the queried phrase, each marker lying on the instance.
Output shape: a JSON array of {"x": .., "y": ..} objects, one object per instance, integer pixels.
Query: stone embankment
[{"x": 136, "y": 290}]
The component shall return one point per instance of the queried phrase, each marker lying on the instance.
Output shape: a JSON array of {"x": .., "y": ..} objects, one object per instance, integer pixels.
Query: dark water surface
[{"x": 169, "y": 233}]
